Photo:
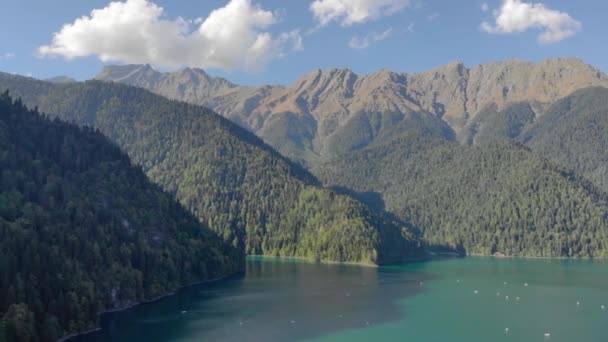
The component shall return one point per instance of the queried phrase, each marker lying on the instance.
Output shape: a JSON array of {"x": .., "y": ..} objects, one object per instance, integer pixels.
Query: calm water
[{"x": 432, "y": 301}]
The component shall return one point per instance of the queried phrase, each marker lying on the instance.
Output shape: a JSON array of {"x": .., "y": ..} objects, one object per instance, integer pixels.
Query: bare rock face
[
  {"x": 190, "y": 85},
  {"x": 516, "y": 81},
  {"x": 334, "y": 98}
]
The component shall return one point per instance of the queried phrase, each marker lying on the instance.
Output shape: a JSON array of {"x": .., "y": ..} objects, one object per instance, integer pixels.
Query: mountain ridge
[{"x": 327, "y": 100}]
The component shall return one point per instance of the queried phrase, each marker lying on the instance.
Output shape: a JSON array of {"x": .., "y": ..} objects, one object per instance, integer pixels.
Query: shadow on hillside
[{"x": 375, "y": 202}]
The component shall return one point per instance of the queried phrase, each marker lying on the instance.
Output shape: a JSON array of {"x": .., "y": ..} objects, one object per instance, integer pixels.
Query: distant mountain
[
  {"x": 60, "y": 79},
  {"x": 328, "y": 112},
  {"x": 199, "y": 84},
  {"x": 254, "y": 198},
  {"x": 83, "y": 231}
]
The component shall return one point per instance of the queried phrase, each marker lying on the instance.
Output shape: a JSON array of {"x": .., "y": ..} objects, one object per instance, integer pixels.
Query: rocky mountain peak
[
  {"x": 516, "y": 81},
  {"x": 134, "y": 74},
  {"x": 321, "y": 79}
]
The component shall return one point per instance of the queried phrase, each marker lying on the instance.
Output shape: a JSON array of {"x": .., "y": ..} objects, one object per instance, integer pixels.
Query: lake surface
[{"x": 470, "y": 299}]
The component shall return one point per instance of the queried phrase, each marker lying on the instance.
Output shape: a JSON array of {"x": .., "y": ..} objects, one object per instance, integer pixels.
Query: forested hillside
[
  {"x": 572, "y": 132},
  {"x": 224, "y": 174},
  {"x": 497, "y": 198},
  {"x": 82, "y": 230}
]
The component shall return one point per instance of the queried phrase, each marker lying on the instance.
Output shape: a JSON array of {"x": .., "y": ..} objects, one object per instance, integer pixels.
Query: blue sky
[{"x": 285, "y": 39}]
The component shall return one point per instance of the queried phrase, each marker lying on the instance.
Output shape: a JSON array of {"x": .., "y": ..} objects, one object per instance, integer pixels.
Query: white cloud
[
  {"x": 350, "y": 12},
  {"x": 365, "y": 42},
  {"x": 485, "y": 7},
  {"x": 7, "y": 56},
  {"x": 136, "y": 31},
  {"x": 518, "y": 16}
]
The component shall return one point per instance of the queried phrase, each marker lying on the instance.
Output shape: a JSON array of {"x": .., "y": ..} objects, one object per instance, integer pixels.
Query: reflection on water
[{"x": 275, "y": 300}]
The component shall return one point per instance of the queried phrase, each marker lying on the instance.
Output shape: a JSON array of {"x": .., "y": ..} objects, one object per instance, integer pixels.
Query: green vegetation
[
  {"x": 339, "y": 228},
  {"x": 572, "y": 132},
  {"x": 371, "y": 129},
  {"x": 497, "y": 198},
  {"x": 291, "y": 134},
  {"x": 491, "y": 124},
  {"x": 82, "y": 230},
  {"x": 225, "y": 175}
]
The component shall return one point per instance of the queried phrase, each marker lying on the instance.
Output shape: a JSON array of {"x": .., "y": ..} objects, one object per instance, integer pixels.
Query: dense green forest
[
  {"x": 249, "y": 194},
  {"x": 572, "y": 132},
  {"x": 489, "y": 194},
  {"x": 82, "y": 230},
  {"x": 497, "y": 198}
]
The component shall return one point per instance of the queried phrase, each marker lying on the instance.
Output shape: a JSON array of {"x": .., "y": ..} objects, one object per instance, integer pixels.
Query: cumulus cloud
[
  {"x": 366, "y": 41},
  {"x": 485, "y": 7},
  {"x": 350, "y": 12},
  {"x": 518, "y": 16},
  {"x": 136, "y": 31}
]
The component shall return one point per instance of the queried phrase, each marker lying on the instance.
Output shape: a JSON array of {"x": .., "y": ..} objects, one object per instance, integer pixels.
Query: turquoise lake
[{"x": 468, "y": 299}]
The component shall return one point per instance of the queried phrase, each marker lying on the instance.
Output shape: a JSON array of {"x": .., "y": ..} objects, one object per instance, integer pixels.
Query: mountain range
[
  {"x": 418, "y": 145},
  {"x": 329, "y": 112}
]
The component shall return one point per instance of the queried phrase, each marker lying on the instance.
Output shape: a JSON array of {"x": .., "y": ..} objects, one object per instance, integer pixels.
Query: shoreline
[
  {"x": 475, "y": 255},
  {"x": 327, "y": 262},
  {"x": 68, "y": 338},
  {"x": 314, "y": 261}
]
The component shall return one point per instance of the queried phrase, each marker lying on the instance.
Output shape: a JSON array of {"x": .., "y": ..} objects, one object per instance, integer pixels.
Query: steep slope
[
  {"x": 495, "y": 198},
  {"x": 224, "y": 174},
  {"x": 572, "y": 132},
  {"x": 328, "y": 104},
  {"x": 491, "y": 123},
  {"x": 83, "y": 231}
]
